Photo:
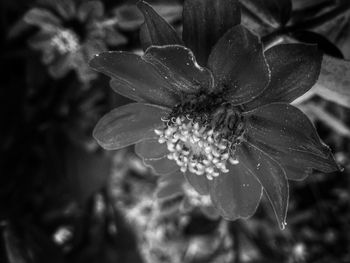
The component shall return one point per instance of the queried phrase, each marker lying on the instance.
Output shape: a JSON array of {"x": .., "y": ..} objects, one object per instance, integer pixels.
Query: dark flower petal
[
  {"x": 90, "y": 10},
  {"x": 162, "y": 166},
  {"x": 199, "y": 182},
  {"x": 236, "y": 194},
  {"x": 130, "y": 18},
  {"x": 41, "y": 18},
  {"x": 178, "y": 66},
  {"x": 205, "y": 22},
  {"x": 271, "y": 176},
  {"x": 135, "y": 78},
  {"x": 151, "y": 149},
  {"x": 239, "y": 66},
  {"x": 294, "y": 70},
  {"x": 128, "y": 125},
  {"x": 159, "y": 31},
  {"x": 287, "y": 135}
]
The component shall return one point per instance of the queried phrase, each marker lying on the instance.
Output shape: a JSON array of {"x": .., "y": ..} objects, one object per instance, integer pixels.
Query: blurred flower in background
[{"x": 70, "y": 33}]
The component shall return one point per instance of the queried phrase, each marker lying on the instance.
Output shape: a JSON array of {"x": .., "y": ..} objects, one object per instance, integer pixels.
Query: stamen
[{"x": 195, "y": 147}]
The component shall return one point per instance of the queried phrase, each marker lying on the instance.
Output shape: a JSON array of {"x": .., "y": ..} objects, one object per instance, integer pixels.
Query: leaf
[
  {"x": 273, "y": 12},
  {"x": 322, "y": 42},
  {"x": 334, "y": 81}
]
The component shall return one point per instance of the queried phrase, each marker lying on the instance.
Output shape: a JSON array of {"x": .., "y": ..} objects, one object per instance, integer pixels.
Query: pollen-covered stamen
[
  {"x": 65, "y": 41},
  {"x": 196, "y": 148}
]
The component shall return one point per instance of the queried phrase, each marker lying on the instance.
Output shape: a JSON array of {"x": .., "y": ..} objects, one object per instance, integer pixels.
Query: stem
[
  {"x": 311, "y": 23},
  {"x": 312, "y": 10},
  {"x": 234, "y": 231}
]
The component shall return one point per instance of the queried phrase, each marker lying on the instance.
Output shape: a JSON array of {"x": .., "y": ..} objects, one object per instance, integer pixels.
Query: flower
[
  {"x": 217, "y": 110},
  {"x": 70, "y": 34}
]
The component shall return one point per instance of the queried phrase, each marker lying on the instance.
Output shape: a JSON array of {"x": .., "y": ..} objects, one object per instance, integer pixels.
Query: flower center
[
  {"x": 203, "y": 142},
  {"x": 65, "y": 41}
]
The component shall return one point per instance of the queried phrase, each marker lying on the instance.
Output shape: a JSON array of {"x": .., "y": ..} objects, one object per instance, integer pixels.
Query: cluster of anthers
[
  {"x": 196, "y": 148},
  {"x": 65, "y": 41}
]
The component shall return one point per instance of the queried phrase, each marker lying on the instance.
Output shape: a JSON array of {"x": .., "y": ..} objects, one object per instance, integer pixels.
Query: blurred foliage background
[{"x": 63, "y": 199}]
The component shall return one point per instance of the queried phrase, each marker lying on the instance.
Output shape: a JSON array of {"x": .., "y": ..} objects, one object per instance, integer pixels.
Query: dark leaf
[
  {"x": 323, "y": 43},
  {"x": 334, "y": 81},
  {"x": 273, "y": 12}
]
